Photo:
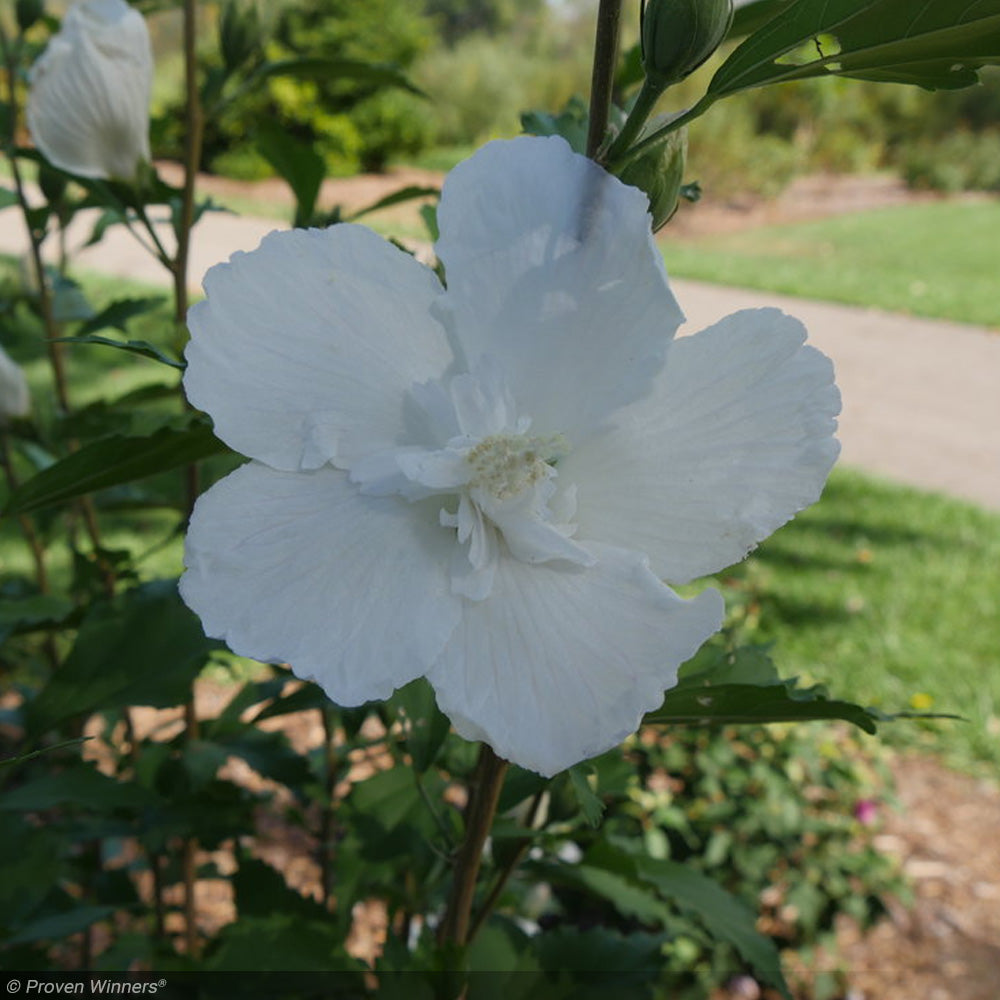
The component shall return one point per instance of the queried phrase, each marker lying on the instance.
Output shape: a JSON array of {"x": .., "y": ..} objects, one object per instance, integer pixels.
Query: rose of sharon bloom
[
  {"x": 15, "y": 400},
  {"x": 88, "y": 103},
  {"x": 485, "y": 484}
]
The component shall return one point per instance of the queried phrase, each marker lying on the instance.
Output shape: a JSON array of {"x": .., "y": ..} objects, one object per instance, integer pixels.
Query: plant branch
[
  {"x": 484, "y": 794},
  {"x": 603, "y": 78},
  {"x": 508, "y": 869}
]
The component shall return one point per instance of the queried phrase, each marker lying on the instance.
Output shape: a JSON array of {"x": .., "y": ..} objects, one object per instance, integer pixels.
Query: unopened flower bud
[
  {"x": 679, "y": 35},
  {"x": 88, "y": 106},
  {"x": 659, "y": 172},
  {"x": 239, "y": 34}
]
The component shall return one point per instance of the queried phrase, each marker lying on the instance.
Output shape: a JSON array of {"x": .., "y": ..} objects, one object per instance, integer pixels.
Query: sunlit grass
[
  {"x": 937, "y": 260},
  {"x": 883, "y": 593}
]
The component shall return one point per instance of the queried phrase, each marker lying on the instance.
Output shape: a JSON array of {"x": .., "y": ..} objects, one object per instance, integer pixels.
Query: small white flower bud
[
  {"x": 88, "y": 107},
  {"x": 15, "y": 400}
]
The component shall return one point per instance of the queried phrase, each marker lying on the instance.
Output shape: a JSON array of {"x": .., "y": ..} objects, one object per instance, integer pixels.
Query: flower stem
[
  {"x": 508, "y": 869},
  {"x": 194, "y": 124},
  {"x": 641, "y": 110},
  {"x": 194, "y": 128},
  {"x": 484, "y": 794},
  {"x": 603, "y": 79}
]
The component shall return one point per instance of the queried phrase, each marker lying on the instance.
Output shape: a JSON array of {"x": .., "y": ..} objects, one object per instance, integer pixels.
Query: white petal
[
  {"x": 305, "y": 349},
  {"x": 88, "y": 106},
  {"x": 352, "y": 591},
  {"x": 735, "y": 440},
  {"x": 559, "y": 663},
  {"x": 552, "y": 272}
]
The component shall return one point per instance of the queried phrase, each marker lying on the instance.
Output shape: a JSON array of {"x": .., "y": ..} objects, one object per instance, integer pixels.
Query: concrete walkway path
[{"x": 921, "y": 397}]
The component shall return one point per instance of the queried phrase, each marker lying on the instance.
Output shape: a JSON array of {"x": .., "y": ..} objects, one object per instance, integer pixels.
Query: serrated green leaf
[
  {"x": 145, "y": 647},
  {"x": 629, "y": 899},
  {"x": 737, "y": 704},
  {"x": 726, "y": 917},
  {"x": 590, "y": 804},
  {"x": 114, "y": 460}
]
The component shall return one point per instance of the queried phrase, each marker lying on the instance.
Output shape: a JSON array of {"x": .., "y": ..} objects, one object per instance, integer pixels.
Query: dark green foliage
[{"x": 331, "y": 76}]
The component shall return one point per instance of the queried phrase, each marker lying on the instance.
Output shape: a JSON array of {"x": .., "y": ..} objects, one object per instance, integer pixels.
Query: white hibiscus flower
[
  {"x": 88, "y": 105},
  {"x": 485, "y": 484}
]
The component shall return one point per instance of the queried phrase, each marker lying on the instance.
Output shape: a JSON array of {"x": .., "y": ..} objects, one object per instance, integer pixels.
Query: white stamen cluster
[{"x": 505, "y": 465}]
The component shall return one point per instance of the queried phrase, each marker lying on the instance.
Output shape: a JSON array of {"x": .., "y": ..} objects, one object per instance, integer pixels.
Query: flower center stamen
[{"x": 505, "y": 465}]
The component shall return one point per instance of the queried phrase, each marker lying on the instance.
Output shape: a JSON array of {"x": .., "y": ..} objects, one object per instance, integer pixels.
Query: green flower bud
[
  {"x": 240, "y": 34},
  {"x": 28, "y": 12},
  {"x": 679, "y": 35},
  {"x": 659, "y": 172}
]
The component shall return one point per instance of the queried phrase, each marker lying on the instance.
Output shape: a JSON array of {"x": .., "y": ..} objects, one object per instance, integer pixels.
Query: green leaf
[
  {"x": 140, "y": 347},
  {"x": 280, "y": 943},
  {"x": 396, "y": 198},
  {"x": 13, "y": 761},
  {"x": 738, "y": 686},
  {"x": 387, "y": 796},
  {"x": 571, "y": 123},
  {"x": 261, "y": 891},
  {"x": 725, "y": 917},
  {"x": 297, "y": 162},
  {"x": 307, "y": 696},
  {"x": 142, "y": 648},
  {"x": 751, "y": 703},
  {"x": 60, "y": 925},
  {"x": 602, "y": 950},
  {"x": 934, "y": 43},
  {"x": 755, "y": 14},
  {"x": 369, "y": 74},
  {"x": 426, "y": 726},
  {"x": 118, "y": 313},
  {"x": 590, "y": 804},
  {"x": 114, "y": 460},
  {"x": 25, "y": 613},
  {"x": 7, "y": 198},
  {"x": 629, "y": 899},
  {"x": 80, "y": 785}
]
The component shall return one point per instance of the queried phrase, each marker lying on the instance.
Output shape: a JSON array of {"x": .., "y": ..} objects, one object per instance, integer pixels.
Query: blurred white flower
[
  {"x": 15, "y": 401},
  {"x": 88, "y": 104},
  {"x": 484, "y": 484}
]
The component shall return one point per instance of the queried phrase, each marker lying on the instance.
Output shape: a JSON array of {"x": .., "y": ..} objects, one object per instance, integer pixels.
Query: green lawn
[
  {"x": 882, "y": 593},
  {"x": 937, "y": 260}
]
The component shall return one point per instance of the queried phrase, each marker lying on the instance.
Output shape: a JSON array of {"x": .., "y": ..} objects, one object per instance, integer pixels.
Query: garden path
[{"x": 921, "y": 397}]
